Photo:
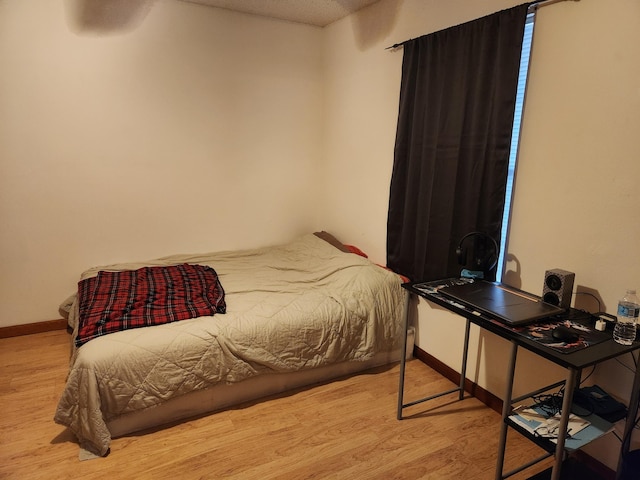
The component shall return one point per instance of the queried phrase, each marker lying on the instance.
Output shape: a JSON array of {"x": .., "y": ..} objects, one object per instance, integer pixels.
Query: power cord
[
  {"x": 549, "y": 403},
  {"x": 591, "y": 295}
]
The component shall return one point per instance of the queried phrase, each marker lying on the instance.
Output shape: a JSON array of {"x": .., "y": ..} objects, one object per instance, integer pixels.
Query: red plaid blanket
[{"x": 115, "y": 301}]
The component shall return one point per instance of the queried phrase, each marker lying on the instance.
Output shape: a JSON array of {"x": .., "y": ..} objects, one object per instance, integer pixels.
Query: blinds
[{"x": 515, "y": 137}]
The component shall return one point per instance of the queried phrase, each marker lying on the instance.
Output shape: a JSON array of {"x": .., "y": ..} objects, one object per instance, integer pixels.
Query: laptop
[{"x": 509, "y": 305}]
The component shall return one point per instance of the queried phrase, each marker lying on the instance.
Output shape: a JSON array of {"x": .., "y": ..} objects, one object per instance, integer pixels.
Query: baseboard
[
  {"x": 486, "y": 397},
  {"x": 495, "y": 403},
  {"x": 31, "y": 328}
]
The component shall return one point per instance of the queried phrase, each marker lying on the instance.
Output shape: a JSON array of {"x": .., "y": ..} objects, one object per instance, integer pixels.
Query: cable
[
  {"x": 629, "y": 433},
  {"x": 632, "y": 370},
  {"x": 550, "y": 403},
  {"x": 591, "y": 295},
  {"x": 590, "y": 373}
]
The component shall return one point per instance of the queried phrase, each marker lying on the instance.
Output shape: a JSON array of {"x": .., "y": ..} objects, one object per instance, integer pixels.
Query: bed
[{"x": 291, "y": 315}]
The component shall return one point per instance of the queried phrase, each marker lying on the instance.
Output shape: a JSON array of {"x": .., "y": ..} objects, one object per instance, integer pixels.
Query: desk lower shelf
[{"x": 596, "y": 428}]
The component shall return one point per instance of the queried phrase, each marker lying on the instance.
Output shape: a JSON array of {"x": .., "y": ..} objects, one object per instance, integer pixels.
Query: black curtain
[{"x": 455, "y": 119}]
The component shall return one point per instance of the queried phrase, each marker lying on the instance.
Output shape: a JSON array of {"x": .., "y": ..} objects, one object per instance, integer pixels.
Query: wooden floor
[{"x": 343, "y": 429}]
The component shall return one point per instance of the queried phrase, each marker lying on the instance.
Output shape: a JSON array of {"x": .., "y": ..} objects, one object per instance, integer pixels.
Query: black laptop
[{"x": 509, "y": 305}]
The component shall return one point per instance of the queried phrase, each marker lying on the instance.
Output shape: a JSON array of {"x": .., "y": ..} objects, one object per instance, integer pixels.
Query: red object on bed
[
  {"x": 115, "y": 301},
  {"x": 357, "y": 251}
]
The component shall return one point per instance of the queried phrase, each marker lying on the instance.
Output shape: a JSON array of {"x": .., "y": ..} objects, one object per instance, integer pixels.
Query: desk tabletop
[{"x": 578, "y": 359}]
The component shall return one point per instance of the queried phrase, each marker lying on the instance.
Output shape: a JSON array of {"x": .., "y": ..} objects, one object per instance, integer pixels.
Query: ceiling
[{"x": 312, "y": 12}]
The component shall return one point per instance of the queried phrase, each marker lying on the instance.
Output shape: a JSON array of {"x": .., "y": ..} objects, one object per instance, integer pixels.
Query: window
[
  {"x": 515, "y": 138},
  {"x": 453, "y": 140}
]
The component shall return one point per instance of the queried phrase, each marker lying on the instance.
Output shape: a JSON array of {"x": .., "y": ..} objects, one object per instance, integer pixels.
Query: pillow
[
  {"x": 351, "y": 249},
  {"x": 327, "y": 237},
  {"x": 356, "y": 250}
]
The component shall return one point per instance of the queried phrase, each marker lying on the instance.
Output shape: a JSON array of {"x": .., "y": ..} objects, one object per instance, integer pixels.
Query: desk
[{"x": 573, "y": 362}]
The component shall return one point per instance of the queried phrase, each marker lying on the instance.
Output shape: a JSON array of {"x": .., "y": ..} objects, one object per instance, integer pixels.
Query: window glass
[{"x": 515, "y": 137}]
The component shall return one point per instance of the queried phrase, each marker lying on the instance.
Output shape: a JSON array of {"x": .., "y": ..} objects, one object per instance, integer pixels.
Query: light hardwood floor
[{"x": 343, "y": 429}]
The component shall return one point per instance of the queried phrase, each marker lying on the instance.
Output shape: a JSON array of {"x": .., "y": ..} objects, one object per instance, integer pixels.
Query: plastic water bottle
[{"x": 628, "y": 309}]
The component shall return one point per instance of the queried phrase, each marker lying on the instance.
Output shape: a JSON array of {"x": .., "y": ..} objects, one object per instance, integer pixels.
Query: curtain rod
[
  {"x": 532, "y": 6},
  {"x": 544, "y": 3}
]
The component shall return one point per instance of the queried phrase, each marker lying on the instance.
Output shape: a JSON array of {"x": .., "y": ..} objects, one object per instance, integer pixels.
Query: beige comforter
[{"x": 292, "y": 307}]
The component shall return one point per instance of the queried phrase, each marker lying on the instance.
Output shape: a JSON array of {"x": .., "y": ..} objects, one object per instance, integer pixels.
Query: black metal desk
[{"x": 573, "y": 362}]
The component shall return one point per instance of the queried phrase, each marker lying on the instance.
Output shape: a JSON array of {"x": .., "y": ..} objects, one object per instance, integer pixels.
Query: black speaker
[{"x": 558, "y": 287}]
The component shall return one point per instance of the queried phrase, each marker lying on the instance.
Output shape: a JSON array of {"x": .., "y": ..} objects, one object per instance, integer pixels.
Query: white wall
[
  {"x": 577, "y": 194},
  {"x": 188, "y": 129}
]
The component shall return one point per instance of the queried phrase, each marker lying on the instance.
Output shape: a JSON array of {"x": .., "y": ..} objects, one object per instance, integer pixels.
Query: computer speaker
[{"x": 558, "y": 287}]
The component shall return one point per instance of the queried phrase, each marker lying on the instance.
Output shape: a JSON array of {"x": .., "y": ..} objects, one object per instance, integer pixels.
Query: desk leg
[
  {"x": 403, "y": 356},
  {"x": 569, "y": 387},
  {"x": 632, "y": 414},
  {"x": 506, "y": 410},
  {"x": 463, "y": 369}
]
